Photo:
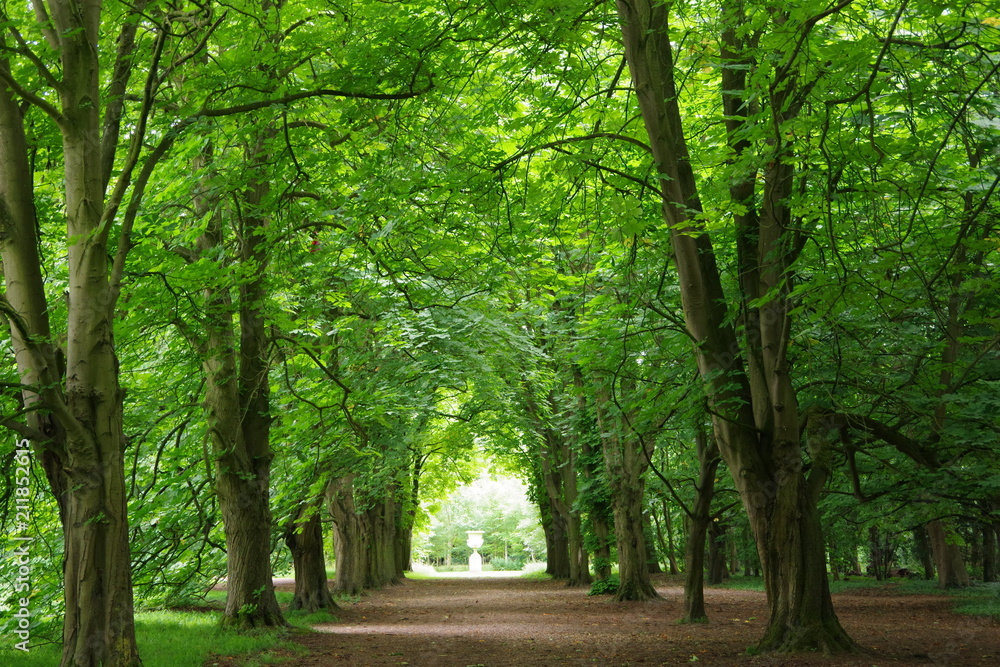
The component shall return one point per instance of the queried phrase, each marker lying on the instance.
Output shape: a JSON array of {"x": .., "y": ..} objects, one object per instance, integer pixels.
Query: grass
[
  {"x": 305, "y": 621},
  {"x": 188, "y": 637},
  {"x": 977, "y": 600},
  {"x": 181, "y": 638},
  {"x": 740, "y": 584},
  {"x": 171, "y": 638},
  {"x": 982, "y": 600}
]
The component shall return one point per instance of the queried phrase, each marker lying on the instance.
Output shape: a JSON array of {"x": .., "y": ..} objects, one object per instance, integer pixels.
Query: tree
[
  {"x": 748, "y": 385},
  {"x": 699, "y": 522},
  {"x": 83, "y": 454},
  {"x": 304, "y": 537}
]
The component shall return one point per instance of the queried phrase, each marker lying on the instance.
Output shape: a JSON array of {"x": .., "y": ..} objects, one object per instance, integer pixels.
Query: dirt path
[{"x": 516, "y": 622}]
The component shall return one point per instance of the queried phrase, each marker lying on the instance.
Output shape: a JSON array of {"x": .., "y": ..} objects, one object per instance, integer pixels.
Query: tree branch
[{"x": 560, "y": 142}]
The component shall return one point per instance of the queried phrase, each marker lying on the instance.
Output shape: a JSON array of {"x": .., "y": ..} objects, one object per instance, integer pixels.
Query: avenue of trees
[{"x": 718, "y": 279}]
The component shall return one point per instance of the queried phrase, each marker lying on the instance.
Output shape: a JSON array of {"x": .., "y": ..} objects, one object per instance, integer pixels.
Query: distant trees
[{"x": 496, "y": 506}]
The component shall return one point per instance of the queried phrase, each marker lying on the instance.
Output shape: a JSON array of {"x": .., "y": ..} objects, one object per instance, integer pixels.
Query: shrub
[
  {"x": 507, "y": 563},
  {"x": 607, "y": 586}
]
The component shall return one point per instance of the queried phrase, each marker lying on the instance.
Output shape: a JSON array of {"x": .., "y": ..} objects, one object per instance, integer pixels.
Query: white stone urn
[{"x": 475, "y": 541}]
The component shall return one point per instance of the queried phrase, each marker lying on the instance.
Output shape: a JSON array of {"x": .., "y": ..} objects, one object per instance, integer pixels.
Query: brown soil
[{"x": 515, "y": 622}]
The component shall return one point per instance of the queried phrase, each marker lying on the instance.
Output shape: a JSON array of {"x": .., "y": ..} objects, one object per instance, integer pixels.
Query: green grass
[
  {"x": 37, "y": 656},
  {"x": 181, "y": 638},
  {"x": 977, "y": 600},
  {"x": 305, "y": 621},
  {"x": 740, "y": 584},
  {"x": 536, "y": 575},
  {"x": 178, "y": 639},
  {"x": 982, "y": 600},
  {"x": 855, "y": 583}
]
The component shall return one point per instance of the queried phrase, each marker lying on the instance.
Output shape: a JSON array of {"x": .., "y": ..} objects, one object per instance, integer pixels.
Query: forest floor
[{"x": 491, "y": 622}]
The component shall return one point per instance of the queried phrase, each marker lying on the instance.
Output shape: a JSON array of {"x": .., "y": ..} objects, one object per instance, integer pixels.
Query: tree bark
[
  {"x": 626, "y": 459},
  {"x": 559, "y": 473},
  {"x": 922, "y": 549},
  {"x": 602, "y": 554},
  {"x": 698, "y": 522},
  {"x": 990, "y": 570},
  {"x": 652, "y": 553},
  {"x": 556, "y": 543},
  {"x": 35, "y": 354},
  {"x": 661, "y": 542},
  {"x": 304, "y": 537},
  {"x": 671, "y": 549},
  {"x": 591, "y": 463},
  {"x": 633, "y": 568},
  {"x": 380, "y": 519},
  {"x": 350, "y": 537},
  {"x": 557, "y": 465},
  {"x": 718, "y": 571},
  {"x": 952, "y": 572}
]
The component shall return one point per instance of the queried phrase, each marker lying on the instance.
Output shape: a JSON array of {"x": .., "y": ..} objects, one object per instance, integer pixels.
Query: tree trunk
[
  {"x": 381, "y": 552},
  {"x": 304, "y": 537},
  {"x": 717, "y": 569},
  {"x": 661, "y": 542},
  {"x": 556, "y": 544},
  {"x": 698, "y": 522},
  {"x": 557, "y": 465},
  {"x": 559, "y": 473},
  {"x": 989, "y": 547},
  {"x": 755, "y": 418},
  {"x": 591, "y": 459},
  {"x": 237, "y": 410},
  {"x": 404, "y": 550},
  {"x": 922, "y": 549},
  {"x": 633, "y": 566},
  {"x": 652, "y": 553},
  {"x": 876, "y": 557},
  {"x": 694, "y": 568},
  {"x": 246, "y": 517},
  {"x": 579, "y": 564},
  {"x": 734, "y": 559},
  {"x": 952, "y": 572},
  {"x": 404, "y": 539},
  {"x": 83, "y": 456},
  {"x": 602, "y": 554},
  {"x": 671, "y": 549},
  {"x": 626, "y": 458},
  {"x": 35, "y": 355},
  {"x": 975, "y": 542},
  {"x": 350, "y": 538}
]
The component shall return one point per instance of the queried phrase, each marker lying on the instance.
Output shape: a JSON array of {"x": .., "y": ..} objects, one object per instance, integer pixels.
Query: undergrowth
[{"x": 607, "y": 586}]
